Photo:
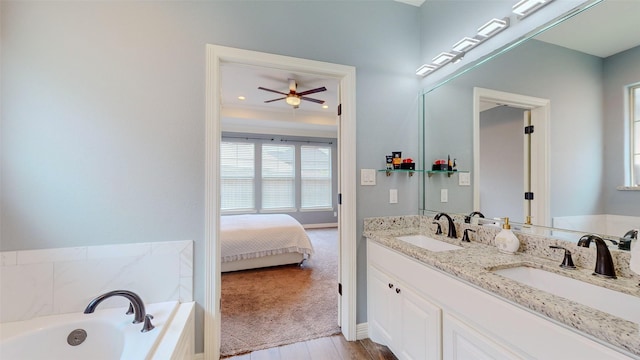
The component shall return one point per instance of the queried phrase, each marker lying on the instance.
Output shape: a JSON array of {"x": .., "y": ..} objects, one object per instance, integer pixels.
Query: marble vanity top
[{"x": 474, "y": 264}]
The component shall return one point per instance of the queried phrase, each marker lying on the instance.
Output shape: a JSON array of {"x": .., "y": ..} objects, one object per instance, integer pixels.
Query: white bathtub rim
[{"x": 137, "y": 345}]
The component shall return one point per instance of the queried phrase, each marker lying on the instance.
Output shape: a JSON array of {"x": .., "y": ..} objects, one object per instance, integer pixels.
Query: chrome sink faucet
[
  {"x": 136, "y": 303},
  {"x": 604, "y": 262},
  {"x": 451, "y": 231}
]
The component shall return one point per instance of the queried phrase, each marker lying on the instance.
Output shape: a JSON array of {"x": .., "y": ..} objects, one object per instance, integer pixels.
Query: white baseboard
[
  {"x": 362, "y": 331},
  {"x": 320, "y": 226}
]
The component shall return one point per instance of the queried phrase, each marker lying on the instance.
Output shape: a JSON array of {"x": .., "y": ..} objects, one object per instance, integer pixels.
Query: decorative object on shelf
[
  {"x": 440, "y": 165},
  {"x": 389, "y": 160},
  {"x": 397, "y": 159},
  {"x": 506, "y": 241},
  {"x": 408, "y": 164}
]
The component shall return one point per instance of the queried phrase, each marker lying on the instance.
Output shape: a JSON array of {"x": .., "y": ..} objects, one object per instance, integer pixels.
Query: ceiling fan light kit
[{"x": 294, "y": 98}]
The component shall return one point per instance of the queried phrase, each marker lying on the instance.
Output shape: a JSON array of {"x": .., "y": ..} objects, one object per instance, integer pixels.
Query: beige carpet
[{"x": 269, "y": 307}]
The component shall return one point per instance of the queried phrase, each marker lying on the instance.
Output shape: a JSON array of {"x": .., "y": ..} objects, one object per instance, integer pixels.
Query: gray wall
[
  {"x": 620, "y": 71},
  {"x": 573, "y": 83},
  {"x": 103, "y": 111}
]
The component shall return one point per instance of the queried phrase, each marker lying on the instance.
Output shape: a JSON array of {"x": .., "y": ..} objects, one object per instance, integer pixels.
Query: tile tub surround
[
  {"x": 472, "y": 265},
  {"x": 58, "y": 281}
]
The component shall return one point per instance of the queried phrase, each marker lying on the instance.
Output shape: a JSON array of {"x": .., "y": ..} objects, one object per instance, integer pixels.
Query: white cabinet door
[
  {"x": 381, "y": 308},
  {"x": 401, "y": 319},
  {"x": 420, "y": 331},
  {"x": 462, "y": 342}
]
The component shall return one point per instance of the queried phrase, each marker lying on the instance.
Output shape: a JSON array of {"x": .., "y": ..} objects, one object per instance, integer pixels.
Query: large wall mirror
[{"x": 571, "y": 82}]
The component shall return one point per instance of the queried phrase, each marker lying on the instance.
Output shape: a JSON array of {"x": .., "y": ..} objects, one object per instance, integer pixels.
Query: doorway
[
  {"x": 217, "y": 55},
  {"x": 535, "y": 177}
]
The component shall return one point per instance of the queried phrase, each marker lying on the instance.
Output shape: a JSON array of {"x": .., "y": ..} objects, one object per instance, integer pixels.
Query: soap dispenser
[{"x": 506, "y": 241}]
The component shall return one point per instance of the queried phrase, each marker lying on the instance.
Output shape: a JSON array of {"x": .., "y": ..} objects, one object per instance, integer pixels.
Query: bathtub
[{"x": 109, "y": 335}]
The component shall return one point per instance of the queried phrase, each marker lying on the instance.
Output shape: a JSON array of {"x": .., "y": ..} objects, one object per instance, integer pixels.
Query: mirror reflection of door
[{"x": 504, "y": 163}]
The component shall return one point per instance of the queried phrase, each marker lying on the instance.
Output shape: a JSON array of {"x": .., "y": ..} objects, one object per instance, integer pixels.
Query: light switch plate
[
  {"x": 444, "y": 195},
  {"x": 464, "y": 179},
  {"x": 393, "y": 196},
  {"x": 367, "y": 176}
]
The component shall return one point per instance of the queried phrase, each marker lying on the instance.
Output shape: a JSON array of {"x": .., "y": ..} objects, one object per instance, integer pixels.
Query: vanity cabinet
[
  {"x": 436, "y": 315},
  {"x": 402, "y": 319},
  {"x": 463, "y": 342}
]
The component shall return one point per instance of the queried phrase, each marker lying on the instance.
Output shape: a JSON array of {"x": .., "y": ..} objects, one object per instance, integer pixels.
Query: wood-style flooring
[{"x": 327, "y": 348}]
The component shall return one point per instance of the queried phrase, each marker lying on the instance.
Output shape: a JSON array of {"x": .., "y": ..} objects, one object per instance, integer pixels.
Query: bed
[{"x": 261, "y": 240}]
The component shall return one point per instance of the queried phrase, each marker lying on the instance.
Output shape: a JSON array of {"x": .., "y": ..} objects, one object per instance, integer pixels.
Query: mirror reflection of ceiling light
[
  {"x": 241, "y": 98},
  {"x": 442, "y": 58},
  {"x": 325, "y": 106},
  {"x": 493, "y": 27},
  {"x": 527, "y": 7},
  {"x": 465, "y": 44}
]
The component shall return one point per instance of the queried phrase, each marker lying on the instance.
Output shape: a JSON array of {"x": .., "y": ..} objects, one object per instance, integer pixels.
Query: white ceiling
[
  {"x": 253, "y": 115},
  {"x": 604, "y": 30}
]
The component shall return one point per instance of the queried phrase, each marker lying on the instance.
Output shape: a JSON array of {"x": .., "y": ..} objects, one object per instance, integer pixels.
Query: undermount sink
[
  {"x": 619, "y": 304},
  {"x": 428, "y": 243}
]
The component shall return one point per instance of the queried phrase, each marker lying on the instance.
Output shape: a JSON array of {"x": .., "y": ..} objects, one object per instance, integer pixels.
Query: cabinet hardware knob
[
  {"x": 397, "y": 291},
  {"x": 390, "y": 286}
]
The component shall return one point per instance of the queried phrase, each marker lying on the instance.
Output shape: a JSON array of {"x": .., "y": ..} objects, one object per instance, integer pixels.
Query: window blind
[
  {"x": 278, "y": 176},
  {"x": 237, "y": 176},
  {"x": 315, "y": 176}
]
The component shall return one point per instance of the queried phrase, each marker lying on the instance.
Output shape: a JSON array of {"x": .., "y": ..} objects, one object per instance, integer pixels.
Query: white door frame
[
  {"x": 540, "y": 117},
  {"x": 346, "y": 182}
]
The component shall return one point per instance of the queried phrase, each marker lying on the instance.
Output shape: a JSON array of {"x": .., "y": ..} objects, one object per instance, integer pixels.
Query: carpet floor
[{"x": 281, "y": 305}]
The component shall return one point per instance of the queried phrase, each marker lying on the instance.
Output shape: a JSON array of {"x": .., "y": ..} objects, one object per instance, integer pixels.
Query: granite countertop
[{"x": 475, "y": 261}]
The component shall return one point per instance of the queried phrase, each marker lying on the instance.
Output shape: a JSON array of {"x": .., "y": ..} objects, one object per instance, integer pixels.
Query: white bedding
[{"x": 252, "y": 236}]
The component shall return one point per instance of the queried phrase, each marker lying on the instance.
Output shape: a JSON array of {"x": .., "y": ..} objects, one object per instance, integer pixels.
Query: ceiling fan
[{"x": 293, "y": 98}]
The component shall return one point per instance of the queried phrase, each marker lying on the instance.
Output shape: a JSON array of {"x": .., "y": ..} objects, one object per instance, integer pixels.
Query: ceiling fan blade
[
  {"x": 268, "y": 101},
  {"x": 312, "y": 91},
  {"x": 275, "y": 91},
  {"x": 312, "y": 100}
]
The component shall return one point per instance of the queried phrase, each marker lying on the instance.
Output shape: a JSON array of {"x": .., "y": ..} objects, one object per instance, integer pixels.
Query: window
[
  {"x": 237, "y": 172},
  {"x": 635, "y": 135},
  {"x": 278, "y": 177},
  {"x": 315, "y": 175}
]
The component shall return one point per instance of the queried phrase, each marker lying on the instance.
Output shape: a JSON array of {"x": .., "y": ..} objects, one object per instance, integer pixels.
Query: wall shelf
[
  {"x": 410, "y": 172},
  {"x": 430, "y": 173}
]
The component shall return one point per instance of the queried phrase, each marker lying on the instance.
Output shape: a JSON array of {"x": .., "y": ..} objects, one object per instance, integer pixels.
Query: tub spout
[{"x": 136, "y": 303}]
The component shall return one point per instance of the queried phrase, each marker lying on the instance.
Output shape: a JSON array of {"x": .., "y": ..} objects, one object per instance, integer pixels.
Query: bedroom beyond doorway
[{"x": 269, "y": 307}]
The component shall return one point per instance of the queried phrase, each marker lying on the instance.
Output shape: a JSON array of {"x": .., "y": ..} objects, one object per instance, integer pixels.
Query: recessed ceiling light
[
  {"x": 325, "y": 106},
  {"x": 241, "y": 98}
]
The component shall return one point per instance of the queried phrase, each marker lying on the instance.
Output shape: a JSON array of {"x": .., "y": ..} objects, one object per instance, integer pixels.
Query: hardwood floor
[{"x": 327, "y": 348}]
